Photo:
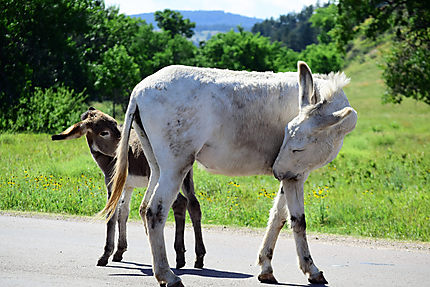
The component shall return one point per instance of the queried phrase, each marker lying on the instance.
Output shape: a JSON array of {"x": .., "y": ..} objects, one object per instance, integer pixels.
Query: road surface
[{"x": 60, "y": 251}]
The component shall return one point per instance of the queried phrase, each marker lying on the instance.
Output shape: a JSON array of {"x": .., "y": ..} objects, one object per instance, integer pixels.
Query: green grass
[{"x": 378, "y": 186}]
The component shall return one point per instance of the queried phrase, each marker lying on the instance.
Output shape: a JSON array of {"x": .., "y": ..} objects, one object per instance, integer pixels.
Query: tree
[
  {"x": 83, "y": 46},
  {"x": 173, "y": 23},
  {"x": 38, "y": 47},
  {"x": 324, "y": 19},
  {"x": 240, "y": 51},
  {"x": 117, "y": 75},
  {"x": 293, "y": 30},
  {"x": 322, "y": 58},
  {"x": 406, "y": 71},
  {"x": 108, "y": 28}
]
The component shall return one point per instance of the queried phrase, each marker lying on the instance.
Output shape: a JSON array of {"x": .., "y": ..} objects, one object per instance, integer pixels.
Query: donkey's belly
[
  {"x": 240, "y": 162},
  {"x": 134, "y": 181}
]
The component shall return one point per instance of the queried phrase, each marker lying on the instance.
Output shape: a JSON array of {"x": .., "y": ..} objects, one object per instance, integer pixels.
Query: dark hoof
[
  {"x": 267, "y": 278},
  {"x": 199, "y": 263},
  {"x": 102, "y": 261},
  {"x": 177, "y": 284},
  {"x": 180, "y": 260},
  {"x": 179, "y": 265},
  {"x": 317, "y": 279},
  {"x": 117, "y": 257}
]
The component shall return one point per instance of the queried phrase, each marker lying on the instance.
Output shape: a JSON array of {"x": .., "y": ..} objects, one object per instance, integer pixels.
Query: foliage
[
  {"x": 322, "y": 58},
  {"x": 49, "y": 110},
  {"x": 293, "y": 30},
  {"x": 406, "y": 69},
  {"x": 240, "y": 51},
  {"x": 117, "y": 75},
  {"x": 173, "y": 23},
  {"x": 324, "y": 19},
  {"x": 176, "y": 50},
  {"x": 37, "y": 45},
  {"x": 81, "y": 45}
]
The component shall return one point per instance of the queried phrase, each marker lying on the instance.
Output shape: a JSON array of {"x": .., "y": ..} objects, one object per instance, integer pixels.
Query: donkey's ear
[
  {"x": 306, "y": 85},
  {"x": 335, "y": 118},
  {"x": 73, "y": 132}
]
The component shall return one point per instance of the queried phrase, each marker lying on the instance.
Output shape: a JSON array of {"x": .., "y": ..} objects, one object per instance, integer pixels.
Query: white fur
[{"x": 239, "y": 123}]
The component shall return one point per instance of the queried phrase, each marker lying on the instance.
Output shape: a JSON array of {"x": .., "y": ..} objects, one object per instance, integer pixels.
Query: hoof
[
  {"x": 317, "y": 279},
  {"x": 267, "y": 278},
  {"x": 180, "y": 260},
  {"x": 117, "y": 258},
  {"x": 102, "y": 261},
  {"x": 179, "y": 265},
  {"x": 177, "y": 284},
  {"x": 199, "y": 263}
]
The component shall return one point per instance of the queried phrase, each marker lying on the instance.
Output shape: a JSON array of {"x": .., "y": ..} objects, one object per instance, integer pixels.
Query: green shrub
[
  {"x": 49, "y": 110},
  {"x": 322, "y": 58}
]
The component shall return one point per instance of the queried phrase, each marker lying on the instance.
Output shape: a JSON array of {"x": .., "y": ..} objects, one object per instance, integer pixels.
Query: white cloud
[{"x": 252, "y": 8}]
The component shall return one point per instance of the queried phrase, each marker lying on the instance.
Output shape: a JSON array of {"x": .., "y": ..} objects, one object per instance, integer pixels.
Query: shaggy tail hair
[{"x": 121, "y": 165}]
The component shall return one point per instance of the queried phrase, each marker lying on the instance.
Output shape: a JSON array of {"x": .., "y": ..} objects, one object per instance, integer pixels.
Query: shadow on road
[{"x": 146, "y": 270}]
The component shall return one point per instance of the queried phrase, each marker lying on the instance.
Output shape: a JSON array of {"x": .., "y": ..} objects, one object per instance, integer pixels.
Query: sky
[{"x": 252, "y": 8}]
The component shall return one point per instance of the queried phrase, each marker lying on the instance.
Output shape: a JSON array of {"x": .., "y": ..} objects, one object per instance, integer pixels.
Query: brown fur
[
  {"x": 132, "y": 160},
  {"x": 120, "y": 173}
]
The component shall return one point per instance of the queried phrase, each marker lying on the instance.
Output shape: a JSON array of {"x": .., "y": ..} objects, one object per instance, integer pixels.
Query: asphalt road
[{"x": 50, "y": 251}]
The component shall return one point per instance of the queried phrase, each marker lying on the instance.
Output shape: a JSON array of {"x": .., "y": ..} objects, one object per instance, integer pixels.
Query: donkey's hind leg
[
  {"x": 165, "y": 193},
  {"x": 196, "y": 218},
  {"x": 179, "y": 210},
  {"x": 153, "y": 165},
  {"x": 123, "y": 212}
]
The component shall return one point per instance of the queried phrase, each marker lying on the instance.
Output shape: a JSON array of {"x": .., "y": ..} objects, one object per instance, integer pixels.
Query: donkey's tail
[{"x": 121, "y": 165}]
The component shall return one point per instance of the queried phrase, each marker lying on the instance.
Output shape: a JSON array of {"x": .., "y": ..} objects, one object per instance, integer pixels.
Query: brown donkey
[{"x": 103, "y": 135}]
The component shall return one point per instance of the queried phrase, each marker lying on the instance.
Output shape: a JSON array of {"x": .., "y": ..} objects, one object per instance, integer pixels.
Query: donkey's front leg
[
  {"x": 295, "y": 202},
  {"x": 278, "y": 215},
  {"x": 123, "y": 212},
  {"x": 110, "y": 231}
]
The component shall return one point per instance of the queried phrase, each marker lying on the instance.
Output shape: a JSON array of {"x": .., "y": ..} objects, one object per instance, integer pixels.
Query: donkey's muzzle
[
  {"x": 286, "y": 176},
  {"x": 58, "y": 137}
]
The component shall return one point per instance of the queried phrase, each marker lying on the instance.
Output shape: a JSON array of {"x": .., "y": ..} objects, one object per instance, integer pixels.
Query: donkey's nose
[
  {"x": 278, "y": 175},
  {"x": 286, "y": 176},
  {"x": 58, "y": 137}
]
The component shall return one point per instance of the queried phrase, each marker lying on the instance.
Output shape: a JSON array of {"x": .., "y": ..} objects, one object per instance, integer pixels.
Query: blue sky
[{"x": 252, "y": 8}]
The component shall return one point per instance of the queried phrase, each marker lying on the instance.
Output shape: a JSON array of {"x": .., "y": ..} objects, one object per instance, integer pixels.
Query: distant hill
[
  {"x": 209, "y": 20},
  {"x": 208, "y": 23}
]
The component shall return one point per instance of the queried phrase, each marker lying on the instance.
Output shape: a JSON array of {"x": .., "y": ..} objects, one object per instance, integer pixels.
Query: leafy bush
[
  {"x": 240, "y": 51},
  {"x": 49, "y": 110},
  {"x": 322, "y": 58}
]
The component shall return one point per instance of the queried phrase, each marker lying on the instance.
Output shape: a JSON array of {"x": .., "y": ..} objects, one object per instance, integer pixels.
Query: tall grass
[{"x": 377, "y": 186}]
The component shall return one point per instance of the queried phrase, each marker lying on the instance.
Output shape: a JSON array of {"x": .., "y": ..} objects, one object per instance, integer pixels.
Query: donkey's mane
[{"x": 333, "y": 82}]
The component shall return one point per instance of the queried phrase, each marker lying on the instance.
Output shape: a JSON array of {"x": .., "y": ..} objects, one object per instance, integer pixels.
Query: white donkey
[{"x": 234, "y": 123}]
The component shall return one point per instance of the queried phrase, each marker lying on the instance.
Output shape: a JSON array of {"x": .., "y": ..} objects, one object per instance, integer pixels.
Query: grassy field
[{"x": 378, "y": 186}]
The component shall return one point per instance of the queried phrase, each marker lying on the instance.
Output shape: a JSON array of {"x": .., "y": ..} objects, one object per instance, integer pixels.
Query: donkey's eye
[
  {"x": 104, "y": 134},
  {"x": 297, "y": 150}
]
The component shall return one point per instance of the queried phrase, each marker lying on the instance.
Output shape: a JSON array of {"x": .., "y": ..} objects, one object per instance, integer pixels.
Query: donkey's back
[{"x": 222, "y": 116}]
